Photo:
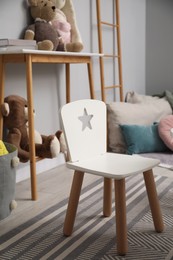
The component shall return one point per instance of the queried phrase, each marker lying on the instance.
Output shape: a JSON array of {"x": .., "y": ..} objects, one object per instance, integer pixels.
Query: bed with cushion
[{"x": 142, "y": 125}]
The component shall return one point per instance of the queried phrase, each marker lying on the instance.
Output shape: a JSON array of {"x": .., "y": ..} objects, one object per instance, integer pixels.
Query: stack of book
[{"x": 17, "y": 44}]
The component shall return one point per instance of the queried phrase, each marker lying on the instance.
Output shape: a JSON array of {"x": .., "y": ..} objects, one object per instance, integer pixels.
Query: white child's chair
[{"x": 85, "y": 128}]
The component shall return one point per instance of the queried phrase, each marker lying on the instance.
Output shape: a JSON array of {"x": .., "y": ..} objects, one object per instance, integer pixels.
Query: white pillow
[
  {"x": 133, "y": 97},
  {"x": 127, "y": 113}
]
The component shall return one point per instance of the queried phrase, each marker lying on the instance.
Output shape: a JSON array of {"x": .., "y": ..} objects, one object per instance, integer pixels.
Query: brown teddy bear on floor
[{"x": 15, "y": 115}]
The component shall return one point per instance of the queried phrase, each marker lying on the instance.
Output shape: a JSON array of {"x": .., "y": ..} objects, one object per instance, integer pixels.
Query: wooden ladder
[{"x": 116, "y": 55}]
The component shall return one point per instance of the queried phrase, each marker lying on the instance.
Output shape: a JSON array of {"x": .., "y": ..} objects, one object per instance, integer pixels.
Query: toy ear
[
  {"x": 32, "y": 2},
  {"x": 68, "y": 9},
  {"x": 26, "y": 112},
  {"x": 5, "y": 109}
]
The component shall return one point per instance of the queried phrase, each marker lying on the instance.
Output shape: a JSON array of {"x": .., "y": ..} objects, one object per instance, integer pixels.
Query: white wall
[
  {"x": 159, "y": 46},
  {"x": 14, "y": 17},
  {"x": 133, "y": 23}
]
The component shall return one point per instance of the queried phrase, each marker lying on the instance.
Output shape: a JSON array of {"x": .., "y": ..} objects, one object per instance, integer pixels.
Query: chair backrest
[{"x": 84, "y": 126}]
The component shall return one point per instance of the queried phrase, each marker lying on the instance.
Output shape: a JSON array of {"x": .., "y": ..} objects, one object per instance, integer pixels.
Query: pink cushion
[{"x": 165, "y": 129}]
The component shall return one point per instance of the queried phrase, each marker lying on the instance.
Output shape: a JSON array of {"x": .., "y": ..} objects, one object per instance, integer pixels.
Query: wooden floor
[{"x": 53, "y": 186}]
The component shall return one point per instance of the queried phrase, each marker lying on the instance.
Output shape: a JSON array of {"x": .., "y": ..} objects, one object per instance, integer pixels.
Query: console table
[{"x": 34, "y": 56}]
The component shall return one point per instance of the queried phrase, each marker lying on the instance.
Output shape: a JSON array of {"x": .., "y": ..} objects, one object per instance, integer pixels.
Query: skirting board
[{"x": 23, "y": 170}]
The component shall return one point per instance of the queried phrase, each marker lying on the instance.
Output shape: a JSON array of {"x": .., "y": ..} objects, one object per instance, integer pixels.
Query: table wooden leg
[
  {"x": 153, "y": 201},
  {"x": 90, "y": 76},
  {"x": 107, "y": 197},
  {"x": 2, "y": 80},
  {"x": 67, "y": 82},
  {"x": 31, "y": 126}
]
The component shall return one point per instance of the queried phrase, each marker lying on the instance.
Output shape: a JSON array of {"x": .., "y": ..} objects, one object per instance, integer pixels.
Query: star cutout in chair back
[{"x": 85, "y": 119}]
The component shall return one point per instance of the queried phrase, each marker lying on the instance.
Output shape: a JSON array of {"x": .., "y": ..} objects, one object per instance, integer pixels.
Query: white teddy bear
[{"x": 66, "y": 26}]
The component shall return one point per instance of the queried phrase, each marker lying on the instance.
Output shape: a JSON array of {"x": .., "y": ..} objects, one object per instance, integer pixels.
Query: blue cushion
[{"x": 142, "y": 139}]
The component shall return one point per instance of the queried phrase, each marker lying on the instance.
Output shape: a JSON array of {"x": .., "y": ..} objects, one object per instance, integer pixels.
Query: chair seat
[{"x": 115, "y": 166}]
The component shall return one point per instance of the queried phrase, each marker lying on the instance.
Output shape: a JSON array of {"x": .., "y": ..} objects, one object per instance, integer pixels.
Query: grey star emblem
[{"x": 85, "y": 119}]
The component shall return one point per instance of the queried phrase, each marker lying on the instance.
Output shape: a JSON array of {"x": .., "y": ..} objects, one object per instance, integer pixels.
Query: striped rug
[{"x": 94, "y": 237}]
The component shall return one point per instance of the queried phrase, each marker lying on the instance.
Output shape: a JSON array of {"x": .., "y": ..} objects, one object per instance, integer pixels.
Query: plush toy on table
[
  {"x": 66, "y": 25},
  {"x": 47, "y": 38},
  {"x": 15, "y": 117},
  {"x": 54, "y": 27}
]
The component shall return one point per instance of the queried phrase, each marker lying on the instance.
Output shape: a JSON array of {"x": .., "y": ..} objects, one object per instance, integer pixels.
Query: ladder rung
[
  {"x": 111, "y": 56},
  {"x": 109, "y": 24},
  {"x": 114, "y": 86}
]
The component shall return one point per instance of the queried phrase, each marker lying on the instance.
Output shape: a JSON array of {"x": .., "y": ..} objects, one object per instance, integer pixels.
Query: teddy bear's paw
[
  {"x": 74, "y": 47},
  {"x": 5, "y": 110},
  {"x": 24, "y": 158},
  {"x": 14, "y": 137},
  {"x": 15, "y": 162},
  {"x": 13, "y": 205},
  {"x": 29, "y": 35},
  {"x": 15, "y": 131},
  {"x": 45, "y": 45},
  {"x": 55, "y": 147},
  {"x": 63, "y": 146}
]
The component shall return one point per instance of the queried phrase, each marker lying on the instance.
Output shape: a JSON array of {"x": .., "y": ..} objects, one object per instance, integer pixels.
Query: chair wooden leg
[
  {"x": 121, "y": 226},
  {"x": 107, "y": 197},
  {"x": 153, "y": 201},
  {"x": 73, "y": 202}
]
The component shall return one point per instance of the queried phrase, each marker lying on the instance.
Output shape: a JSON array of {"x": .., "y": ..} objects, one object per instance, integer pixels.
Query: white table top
[{"x": 57, "y": 53}]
